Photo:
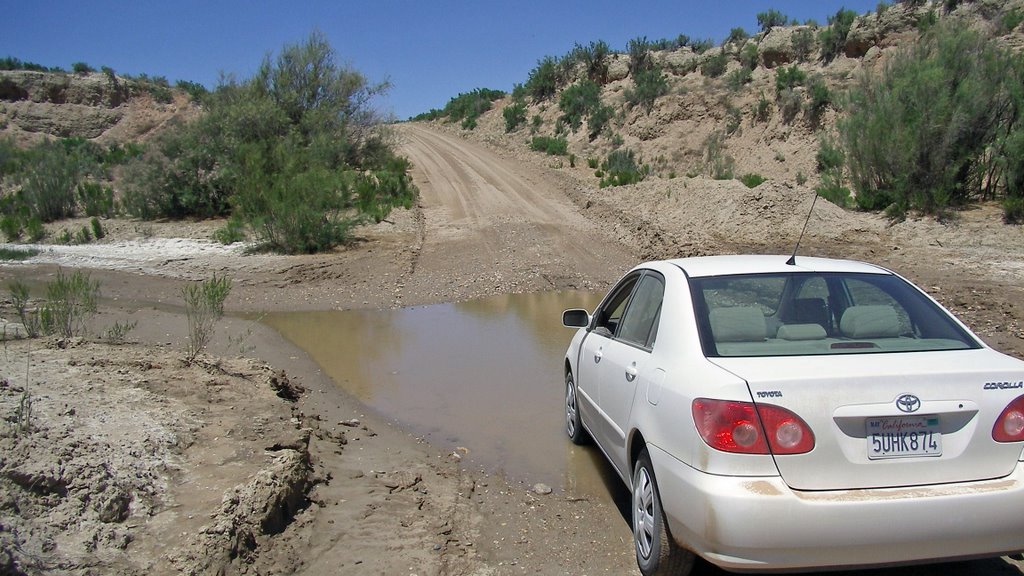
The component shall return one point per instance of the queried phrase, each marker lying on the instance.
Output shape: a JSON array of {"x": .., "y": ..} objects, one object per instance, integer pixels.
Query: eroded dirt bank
[{"x": 133, "y": 462}]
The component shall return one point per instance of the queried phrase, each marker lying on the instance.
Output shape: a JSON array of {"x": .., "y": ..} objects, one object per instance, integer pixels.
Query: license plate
[{"x": 903, "y": 437}]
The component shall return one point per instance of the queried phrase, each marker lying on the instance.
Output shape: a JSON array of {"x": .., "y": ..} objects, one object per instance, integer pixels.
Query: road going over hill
[{"x": 489, "y": 222}]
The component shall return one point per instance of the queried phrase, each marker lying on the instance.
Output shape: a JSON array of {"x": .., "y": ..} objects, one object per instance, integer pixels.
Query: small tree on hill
[{"x": 770, "y": 19}]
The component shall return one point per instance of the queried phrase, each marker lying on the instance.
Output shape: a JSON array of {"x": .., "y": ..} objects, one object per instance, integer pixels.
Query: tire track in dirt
[{"x": 490, "y": 222}]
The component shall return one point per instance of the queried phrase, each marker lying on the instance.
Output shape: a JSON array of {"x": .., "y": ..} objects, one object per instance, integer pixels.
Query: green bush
[
  {"x": 1013, "y": 210},
  {"x": 703, "y": 45},
  {"x": 714, "y": 66},
  {"x": 20, "y": 299},
  {"x": 665, "y": 44},
  {"x": 829, "y": 156},
  {"x": 833, "y": 38},
  {"x": 514, "y": 115},
  {"x": 738, "y": 78},
  {"x": 550, "y": 145},
  {"x": 204, "y": 306},
  {"x": 762, "y": 108},
  {"x": 10, "y": 225},
  {"x": 195, "y": 90},
  {"x": 467, "y": 107},
  {"x": 12, "y": 158},
  {"x": 295, "y": 152},
  {"x": 12, "y": 63},
  {"x": 820, "y": 99},
  {"x": 737, "y": 35},
  {"x": 717, "y": 163},
  {"x": 803, "y": 44},
  {"x": 599, "y": 120},
  {"x": 536, "y": 123},
  {"x": 97, "y": 228},
  {"x": 34, "y": 229},
  {"x": 770, "y": 19},
  {"x": 1011, "y": 20},
  {"x": 81, "y": 68},
  {"x": 733, "y": 119},
  {"x": 70, "y": 303},
  {"x": 116, "y": 154},
  {"x": 749, "y": 56},
  {"x": 788, "y": 77},
  {"x": 83, "y": 236},
  {"x": 648, "y": 86},
  {"x": 96, "y": 199},
  {"x": 834, "y": 192},
  {"x": 927, "y": 20},
  {"x": 296, "y": 210},
  {"x": 118, "y": 333},
  {"x": 578, "y": 101},
  {"x": 232, "y": 231},
  {"x": 790, "y": 102},
  {"x": 621, "y": 168},
  {"x": 542, "y": 83},
  {"x": 48, "y": 182},
  {"x": 938, "y": 127},
  {"x": 594, "y": 59},
  {"x": 752, "y": 180},
  {"x": 17, "y": 254},
  {"x": 639, "y": 50}
]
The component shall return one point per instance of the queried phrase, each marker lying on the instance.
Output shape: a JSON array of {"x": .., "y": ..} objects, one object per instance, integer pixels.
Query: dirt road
[{"x": 494, "y": 224}]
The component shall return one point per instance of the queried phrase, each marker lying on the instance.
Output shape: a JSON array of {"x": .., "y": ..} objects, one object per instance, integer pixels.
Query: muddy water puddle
[{"x": 483, "y": 377}]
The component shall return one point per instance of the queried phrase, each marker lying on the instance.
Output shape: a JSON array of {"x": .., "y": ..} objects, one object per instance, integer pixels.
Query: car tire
[
  {"x": 573, "y": 424},
  {"x": 657, "y": 554}
]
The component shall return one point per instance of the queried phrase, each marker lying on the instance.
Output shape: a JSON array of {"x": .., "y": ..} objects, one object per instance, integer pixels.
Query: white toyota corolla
[{"x": 772, "y": 416}]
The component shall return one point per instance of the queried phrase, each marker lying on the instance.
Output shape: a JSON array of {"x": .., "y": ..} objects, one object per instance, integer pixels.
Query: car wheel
[
  {"x": 573, "y": 424},
  {"x": 656, "y": 552}
]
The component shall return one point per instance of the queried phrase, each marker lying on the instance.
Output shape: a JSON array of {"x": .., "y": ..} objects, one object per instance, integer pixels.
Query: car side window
[
  {"x": 608, "y": 317},
  {"x": 639, "y": 326}
]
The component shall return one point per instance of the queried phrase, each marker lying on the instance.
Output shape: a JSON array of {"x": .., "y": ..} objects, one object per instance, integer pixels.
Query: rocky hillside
[
  {"x": 744, "y": 121},
  {"x": 95, "y": 106}
]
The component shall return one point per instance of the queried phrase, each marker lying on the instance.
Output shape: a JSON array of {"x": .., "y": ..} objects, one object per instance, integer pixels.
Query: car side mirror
[{"x": 575, "y": 318}]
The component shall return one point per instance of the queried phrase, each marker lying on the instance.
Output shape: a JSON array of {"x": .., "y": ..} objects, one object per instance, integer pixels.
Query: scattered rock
[{"x": 285, "y": 388}]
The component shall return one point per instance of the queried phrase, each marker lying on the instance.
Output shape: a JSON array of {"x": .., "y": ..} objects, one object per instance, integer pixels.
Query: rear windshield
[{"x": 800, "y": 314}]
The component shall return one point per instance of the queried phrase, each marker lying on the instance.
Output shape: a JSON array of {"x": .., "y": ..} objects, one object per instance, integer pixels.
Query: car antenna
[{"x": 792, "y": 259}]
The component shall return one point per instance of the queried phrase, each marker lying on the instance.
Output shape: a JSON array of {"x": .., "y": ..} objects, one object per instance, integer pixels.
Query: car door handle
[
  {"x": 631, "y": 373},
  {"x": 597, "y": 356}
]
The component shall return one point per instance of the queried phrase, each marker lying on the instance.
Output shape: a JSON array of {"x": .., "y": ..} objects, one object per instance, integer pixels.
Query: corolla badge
[{"x": 908, "y": 403}]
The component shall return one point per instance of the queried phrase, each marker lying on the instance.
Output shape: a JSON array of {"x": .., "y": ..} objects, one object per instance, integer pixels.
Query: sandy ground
[{"x": 250, "y": 461}]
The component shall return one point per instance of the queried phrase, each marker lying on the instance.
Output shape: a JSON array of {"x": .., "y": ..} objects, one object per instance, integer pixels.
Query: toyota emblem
[{"x": 908, "y": 403}]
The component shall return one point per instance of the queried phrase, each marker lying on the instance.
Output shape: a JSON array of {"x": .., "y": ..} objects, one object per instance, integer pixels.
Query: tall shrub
[
  {"x": 938, "y": 127},
  {"x": 48, "y": 182},
  {"x": 296, "y": 152},
  {"x": 578, "y": 101}
]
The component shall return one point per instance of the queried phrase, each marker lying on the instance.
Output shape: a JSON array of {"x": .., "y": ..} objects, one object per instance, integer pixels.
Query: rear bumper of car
[{"x": 759, "y": 523}]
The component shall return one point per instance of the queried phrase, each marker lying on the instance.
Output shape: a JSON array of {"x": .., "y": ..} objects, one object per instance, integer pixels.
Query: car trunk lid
[{"x": 886, "y": 420}]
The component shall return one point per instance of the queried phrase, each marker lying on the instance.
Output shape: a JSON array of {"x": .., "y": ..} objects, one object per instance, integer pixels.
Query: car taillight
[
  {"x": 742, "y": 427},
  {"x": 1009, "y": 427}
]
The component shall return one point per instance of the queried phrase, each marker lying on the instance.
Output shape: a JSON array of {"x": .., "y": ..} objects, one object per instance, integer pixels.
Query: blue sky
[{"x": 429, "y": 51}]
